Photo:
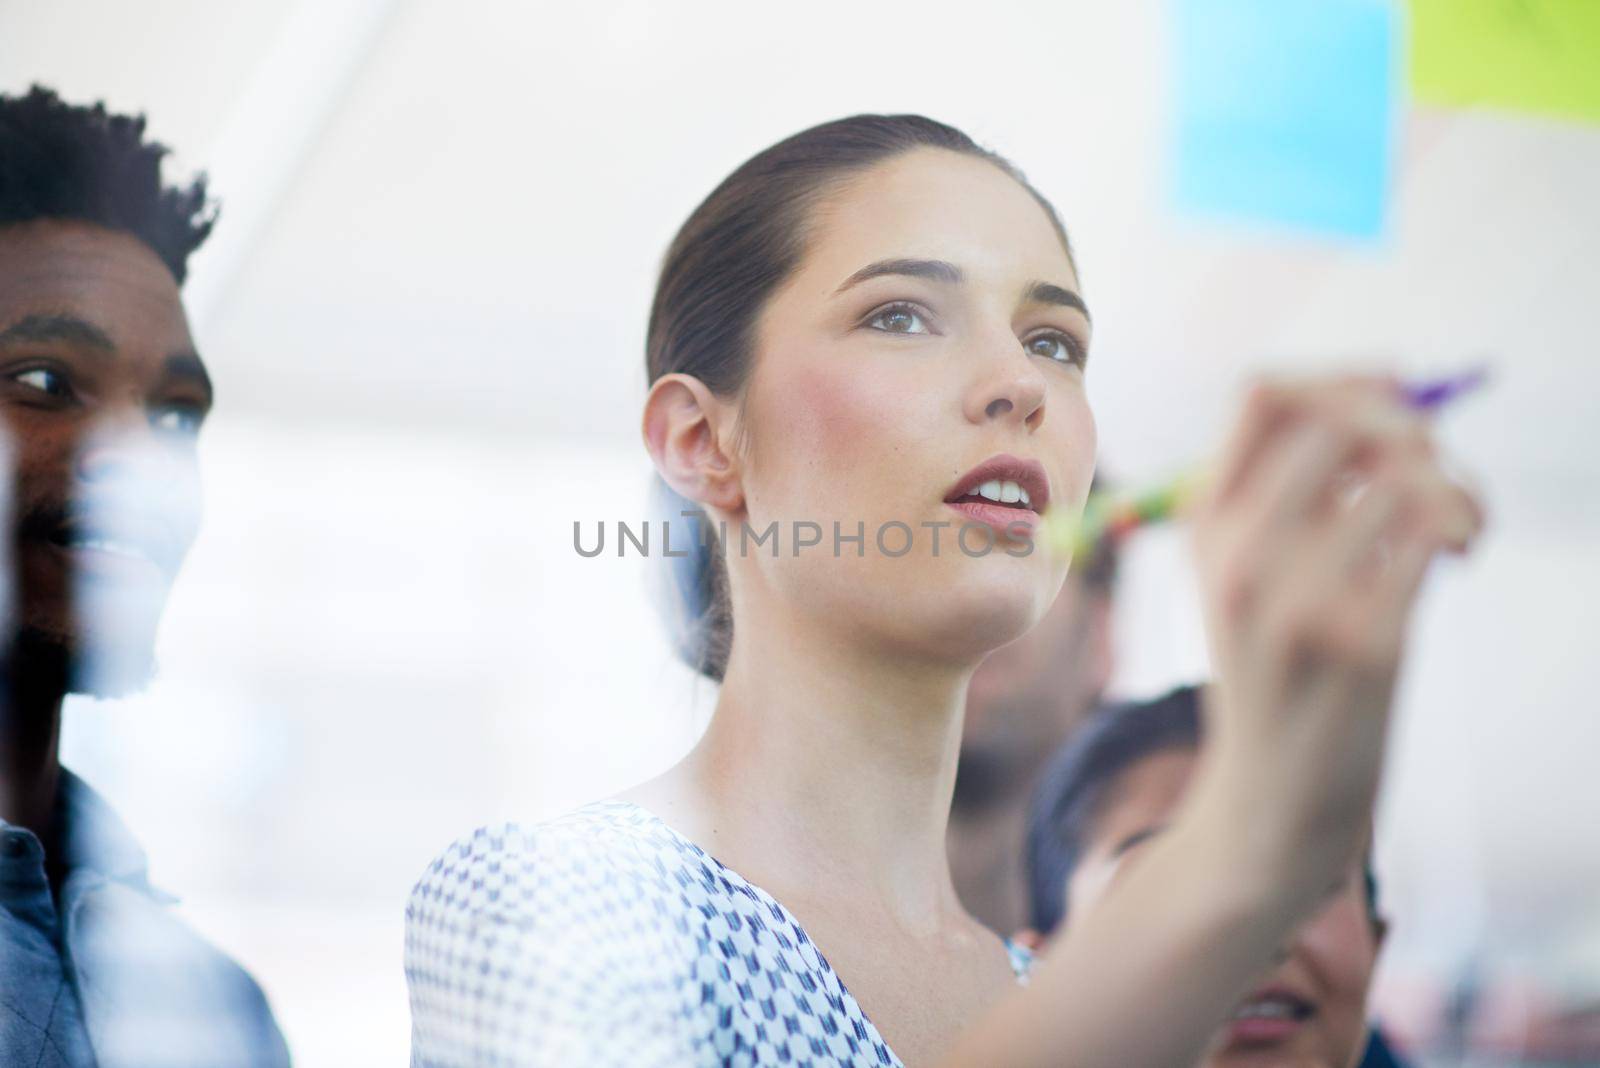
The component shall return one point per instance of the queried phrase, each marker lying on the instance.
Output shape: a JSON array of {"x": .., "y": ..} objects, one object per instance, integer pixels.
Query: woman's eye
[
  {"x": 177, "y": 420},
  {"x": 42, "y": 379},
  {"x": 898, "y": 319},
  {"x": 1056, "y": 346}
]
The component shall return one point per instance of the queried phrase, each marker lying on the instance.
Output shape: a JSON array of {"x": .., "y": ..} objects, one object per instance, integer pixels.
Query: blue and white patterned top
[{"x": 605, "y": 938}]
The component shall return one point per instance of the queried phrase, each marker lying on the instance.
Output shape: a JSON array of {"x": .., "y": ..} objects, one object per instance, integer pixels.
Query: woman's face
[
  {"x": 1310, "y": 1010},
  {"x": 933, "y": 324}
]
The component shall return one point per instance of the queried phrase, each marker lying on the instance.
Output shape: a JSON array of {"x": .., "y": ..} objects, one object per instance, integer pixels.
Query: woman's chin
[{"x": 985, "y": 608}]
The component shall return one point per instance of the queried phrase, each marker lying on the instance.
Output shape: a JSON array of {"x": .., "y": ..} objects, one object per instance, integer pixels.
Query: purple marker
[{"x": 1428, "y": 395}]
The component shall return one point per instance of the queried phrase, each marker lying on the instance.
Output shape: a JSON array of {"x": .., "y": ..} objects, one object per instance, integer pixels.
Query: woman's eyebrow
[
  {"x": 943, "y": 271},
  {"x": 1049, "y": 293},
  {"x": 934, "y": 270}
]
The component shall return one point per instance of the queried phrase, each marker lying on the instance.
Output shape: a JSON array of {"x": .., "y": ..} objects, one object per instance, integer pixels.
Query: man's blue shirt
[
  {"x": 1378, "y": 1053},
  {"x": 105, "y": 976}
]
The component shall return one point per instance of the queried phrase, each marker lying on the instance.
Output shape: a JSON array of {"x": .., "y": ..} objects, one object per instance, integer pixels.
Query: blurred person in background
[
  {"x": 878, "y": 322},
  {"x": 1114, "y": 788},
  {"x": 103, "y": 398},
  {"x": 1024, "y": 701}
]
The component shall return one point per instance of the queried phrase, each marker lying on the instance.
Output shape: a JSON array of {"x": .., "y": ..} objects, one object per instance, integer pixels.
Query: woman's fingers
[
  {"x": 1346, "y": 475},
  {"x": 1435, "y": 502},
  {"x": 1271, "y": 406},
  {"x": 1401, "y": 579},
  {"x": 1260, "y": 539},
  {"x": 1461, "y": 517},
  {"x": 1296, "y": 473},
  {"x": 1296, "y": 492},
  {"x": 1257, "y": 418},
  {"x": 1350, "y": 595},
  {"x": 1358, "y": 539},
  {"x": 1339, "y": 475},
  {"x": 1358, "y": 421}
]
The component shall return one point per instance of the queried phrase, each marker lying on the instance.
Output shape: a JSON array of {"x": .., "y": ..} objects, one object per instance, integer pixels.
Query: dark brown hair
[{"x": 731, "y": 254}]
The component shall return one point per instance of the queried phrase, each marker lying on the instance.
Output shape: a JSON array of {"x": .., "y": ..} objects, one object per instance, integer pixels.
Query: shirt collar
[{"x": 94, "y": 837}]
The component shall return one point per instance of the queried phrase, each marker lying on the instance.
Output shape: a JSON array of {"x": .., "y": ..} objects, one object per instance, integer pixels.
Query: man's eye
[
  {"x": 42, "y": 379},
  {"x": 177, "y": 420},
  {"x": 1057, "y": 346},
  {"x": 899, "y": 319}
]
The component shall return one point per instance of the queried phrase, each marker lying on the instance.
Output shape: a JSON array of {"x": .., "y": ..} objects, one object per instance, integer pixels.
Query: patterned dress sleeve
[{"x": 531, "y": 948}]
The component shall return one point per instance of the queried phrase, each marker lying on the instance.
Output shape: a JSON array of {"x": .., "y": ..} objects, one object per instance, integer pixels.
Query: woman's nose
[{"x": 1010, "y": 388}]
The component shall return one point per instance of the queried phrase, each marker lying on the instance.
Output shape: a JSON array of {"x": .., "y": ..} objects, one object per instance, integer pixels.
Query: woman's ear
[{"x": 685, "y": 426}]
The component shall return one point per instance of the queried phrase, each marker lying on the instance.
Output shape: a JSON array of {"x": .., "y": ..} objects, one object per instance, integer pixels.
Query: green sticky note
[{"x": 1531, "y": 55}]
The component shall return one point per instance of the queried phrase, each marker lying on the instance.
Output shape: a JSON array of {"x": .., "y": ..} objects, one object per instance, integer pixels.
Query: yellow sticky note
[{"x": 1531, "y": 55}]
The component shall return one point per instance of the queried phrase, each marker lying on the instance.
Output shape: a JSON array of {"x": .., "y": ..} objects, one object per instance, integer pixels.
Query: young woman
[{"x": 879, "y": 325}]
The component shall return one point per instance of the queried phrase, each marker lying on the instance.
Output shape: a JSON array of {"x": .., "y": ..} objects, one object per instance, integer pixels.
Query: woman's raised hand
[{"x": 1312, "y": 538}]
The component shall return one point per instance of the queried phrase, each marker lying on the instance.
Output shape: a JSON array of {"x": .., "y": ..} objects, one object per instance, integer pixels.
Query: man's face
[
  {"x": 101, "y": 396},
  {"x": 1309, "y": 1011}
]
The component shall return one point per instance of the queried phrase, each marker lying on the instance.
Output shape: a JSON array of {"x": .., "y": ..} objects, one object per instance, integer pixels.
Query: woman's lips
[
  {"x": 1268, "y": 1018},
  {"x": 1262, "y": 1032},
  {"x": 1005, "y": 520}
]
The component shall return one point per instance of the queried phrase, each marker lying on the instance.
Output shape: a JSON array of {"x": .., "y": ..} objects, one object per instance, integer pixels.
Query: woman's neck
[{"x": 828, "y": 764}]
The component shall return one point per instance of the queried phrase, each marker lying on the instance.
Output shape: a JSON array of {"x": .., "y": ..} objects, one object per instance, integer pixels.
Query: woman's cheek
[
  {"x": 838, "y": 414},
  {"x": 1342, "y": 948},
  {"x": 1077, "y": 441},
  {"x": 839, "y": 429}
]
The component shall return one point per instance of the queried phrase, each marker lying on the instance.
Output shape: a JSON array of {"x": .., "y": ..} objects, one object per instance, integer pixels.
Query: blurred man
[
  {"x": 101, "y": 395},
  {"x": 1116, "y": 785},
  {"x": 1024, "y": 701}
]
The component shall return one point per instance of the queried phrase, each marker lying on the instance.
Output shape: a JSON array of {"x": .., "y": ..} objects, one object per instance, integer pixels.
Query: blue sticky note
[{"x": 1285, "y": 112}]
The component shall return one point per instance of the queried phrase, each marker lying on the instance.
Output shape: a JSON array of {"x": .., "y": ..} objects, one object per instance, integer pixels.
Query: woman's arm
[{"x": 1306, "y": 593}]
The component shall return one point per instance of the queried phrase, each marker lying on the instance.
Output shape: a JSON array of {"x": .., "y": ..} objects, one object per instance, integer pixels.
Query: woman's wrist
[
  {"x": 1271, "y": 853},
  {"x": 1195, "y": 917}
]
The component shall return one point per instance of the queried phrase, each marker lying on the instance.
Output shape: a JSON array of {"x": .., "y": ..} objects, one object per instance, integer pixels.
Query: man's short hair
[
  {"x": 61, "y": 161},
  {"x": 1073, "y": 789}
]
